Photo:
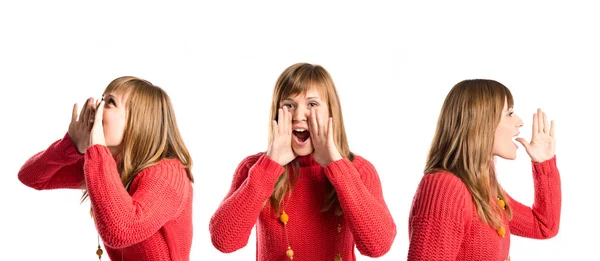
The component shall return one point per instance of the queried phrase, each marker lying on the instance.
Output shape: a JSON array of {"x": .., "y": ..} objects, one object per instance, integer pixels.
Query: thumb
[
  {"x": 523, "y": 142},
  {"x": 97, "y": 133},
  {"x": 98, "y": 114}
]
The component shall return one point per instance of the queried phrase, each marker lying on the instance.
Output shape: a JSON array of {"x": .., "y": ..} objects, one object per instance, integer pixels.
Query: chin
[
  {"x": 303, "y": 151},
  {"x": 508, "y": 156}
]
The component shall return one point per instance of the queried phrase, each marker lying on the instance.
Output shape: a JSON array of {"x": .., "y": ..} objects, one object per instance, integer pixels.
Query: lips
[
  {"x": 514, "y": 141},
  {"x": 301, "y": 136}
]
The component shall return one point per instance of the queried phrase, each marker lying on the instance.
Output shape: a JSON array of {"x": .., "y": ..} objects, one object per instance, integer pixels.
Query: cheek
[
  {"x": 502, "y": 138},
  {"x": 324, "y": 114},
  {"x": 114, "y": 124}
]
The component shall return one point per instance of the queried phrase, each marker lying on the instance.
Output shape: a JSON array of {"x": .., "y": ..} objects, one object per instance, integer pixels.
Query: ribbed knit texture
[
  {"x": 151, "y": 221},
  {"x": 366, "y": 222},
  {"x": 444, "y": 224}
]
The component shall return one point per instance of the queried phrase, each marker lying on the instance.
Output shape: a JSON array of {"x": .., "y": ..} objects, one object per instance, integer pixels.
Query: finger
[
  {"x": 552, "y": 129},
  {"x": 85, "y": 112},
  {"x": 314, "y": 126},
  {"x": 284, "y": 124},
  {"x": 98, "y": 116},
  {"x": 311, "y": 125},
  {"x": 278, "y": 119},
  {"x": 524, "y": 143},
  {"x": 288, "y": 122},
  {"x": 321, "y": 125},
  {"x": 74, "y": 113},
  {"x": 545, "y": 119},
  {"x": 534, "y": 126},
  {"x": 540, "y": 119},
  {"x": 324, "y": 123},
  {"x": 275, "y": 130}
]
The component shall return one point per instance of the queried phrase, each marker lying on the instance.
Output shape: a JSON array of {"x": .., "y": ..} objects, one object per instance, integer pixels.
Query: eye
[
  {"x": 510, "y": 113},
  {"x": 313, "y": 104},
  {"x": 288, "y": 105},
  {"x": 111, "y": 101}
]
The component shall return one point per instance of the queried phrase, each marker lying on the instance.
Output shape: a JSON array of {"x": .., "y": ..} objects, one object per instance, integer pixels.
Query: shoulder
[
  {"x": 249, "y": 161},
  {"x": 360, "y": 162},
  {"x": 366, "y": 170},
  {"x": 444, "y": 181},
  {"x": 441, "y": 193},
  {"x": 165, "y": 171}
]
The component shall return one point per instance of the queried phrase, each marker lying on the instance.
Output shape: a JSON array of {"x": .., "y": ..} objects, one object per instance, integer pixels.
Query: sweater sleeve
[
  {"x": 542, "y": 220},
  {"x": 122, "y": 219},
  {"x": 59, "y": 166},
  {"x": 359, "y": 191},
  {"x": 252, "y": 185},
  {"x": 439, "y": 218}
]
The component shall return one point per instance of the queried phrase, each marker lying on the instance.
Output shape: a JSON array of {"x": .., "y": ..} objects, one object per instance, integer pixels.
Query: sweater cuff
[
  {"x": 269, "y": 166},
  {"x": 548, "y": 166},
  {"x": 97, "y": 150},
  {"x": 337, "y": 167},
  {"x": 67, "y": 147}
]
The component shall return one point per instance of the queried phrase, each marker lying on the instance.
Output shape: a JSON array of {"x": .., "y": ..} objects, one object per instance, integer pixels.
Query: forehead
[
  {"x": 118, "y": 95},
  {"x": 312, "y": 93},
  {"x": 506, "y": 105}
]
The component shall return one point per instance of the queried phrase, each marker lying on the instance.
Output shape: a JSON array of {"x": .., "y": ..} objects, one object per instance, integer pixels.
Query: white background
[{"x": 393, "y": 65}]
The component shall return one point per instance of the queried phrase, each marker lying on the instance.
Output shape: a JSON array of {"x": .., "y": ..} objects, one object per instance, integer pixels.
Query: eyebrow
[
  {"x": 107, "y": 96},
  {"x": 308, "y": 98}
]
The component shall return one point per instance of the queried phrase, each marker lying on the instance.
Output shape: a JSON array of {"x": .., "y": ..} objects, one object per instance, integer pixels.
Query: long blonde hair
[
  {"x": 464, "y": 140},
  {"x": 151, "y": 133},
  {"x": 299, "y": 79}
]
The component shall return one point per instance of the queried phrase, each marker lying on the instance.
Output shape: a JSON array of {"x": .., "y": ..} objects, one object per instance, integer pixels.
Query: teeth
[{"x": 300, "y": 130}]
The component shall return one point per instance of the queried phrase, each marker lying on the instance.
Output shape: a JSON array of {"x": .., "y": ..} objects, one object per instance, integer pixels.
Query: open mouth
[{"x": 301, "y": 136}]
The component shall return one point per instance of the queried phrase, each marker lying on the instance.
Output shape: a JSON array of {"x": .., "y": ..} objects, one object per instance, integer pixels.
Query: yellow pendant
[
  {"x": 338, "y": 257},
  {"x": 284, "y": 218},
  {"x": 501, "y": 231},
  {"x": 501, "y": 203},
  {"x": 99, "y": 253},
  {"x": 290, "y": 253}
]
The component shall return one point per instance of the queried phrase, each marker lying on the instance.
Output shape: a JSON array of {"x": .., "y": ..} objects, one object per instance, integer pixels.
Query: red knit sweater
[
  {"x": 444, "y": 224},
  {"x": 366, "y": 221},
  {"x": 151, "y": 221}
]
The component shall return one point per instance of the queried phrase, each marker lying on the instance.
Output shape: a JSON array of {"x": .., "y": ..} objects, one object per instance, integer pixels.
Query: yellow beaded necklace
[
  {"x": 501, "y": 231},
  {"x": 284, "y": 218},
  {"x": 99, "y": 251}
]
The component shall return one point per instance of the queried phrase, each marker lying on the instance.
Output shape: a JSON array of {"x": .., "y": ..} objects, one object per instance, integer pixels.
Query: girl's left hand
[
  {"x": 97, "y": 133},
  {"x": 321, "y": 136},
  {"x": 542, "y": 146}
]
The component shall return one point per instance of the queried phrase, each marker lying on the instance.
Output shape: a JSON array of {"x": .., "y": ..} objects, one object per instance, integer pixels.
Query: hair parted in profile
[
  {"x": 151, "y": 132},
  {"x": 464, "y": 139}
]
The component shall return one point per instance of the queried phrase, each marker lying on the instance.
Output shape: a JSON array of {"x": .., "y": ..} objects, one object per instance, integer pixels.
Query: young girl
[
  {"x": 130, "y": 158},
  {"x": 311, "y": 198},
  {"x": 459, "y": 211}
]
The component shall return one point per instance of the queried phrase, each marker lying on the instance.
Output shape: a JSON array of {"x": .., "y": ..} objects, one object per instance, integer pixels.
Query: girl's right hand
[
  {"x": 79, "y": 128},
  {"x": 280, "y": 149}
]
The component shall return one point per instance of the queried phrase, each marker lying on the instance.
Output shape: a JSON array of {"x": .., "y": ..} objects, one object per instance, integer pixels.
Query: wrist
[{"x": 270, "y": 155}]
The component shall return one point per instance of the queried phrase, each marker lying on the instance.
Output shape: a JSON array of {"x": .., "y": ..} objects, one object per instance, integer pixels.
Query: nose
[
  {"x": 300, "y": 114},
  {"x": 519, "y": 122}
]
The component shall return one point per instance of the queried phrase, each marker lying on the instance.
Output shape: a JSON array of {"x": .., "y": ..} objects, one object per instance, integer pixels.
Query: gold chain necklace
[{"x": 284, "y": 218}]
